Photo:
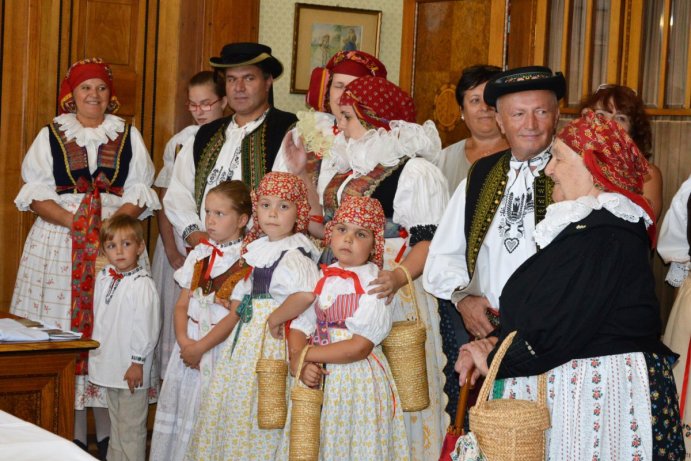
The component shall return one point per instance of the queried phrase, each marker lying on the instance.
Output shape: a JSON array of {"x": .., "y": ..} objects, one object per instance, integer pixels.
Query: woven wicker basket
[
  {"x": 305, "y": 418},
  {"x": 405, "y": 351},
  {"x": 507, "y": 429},
  {"x": 272, "y": 406}
]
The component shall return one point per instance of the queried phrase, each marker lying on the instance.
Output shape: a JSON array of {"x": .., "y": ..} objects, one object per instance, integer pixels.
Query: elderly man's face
[{"x": 528, "y": 119}]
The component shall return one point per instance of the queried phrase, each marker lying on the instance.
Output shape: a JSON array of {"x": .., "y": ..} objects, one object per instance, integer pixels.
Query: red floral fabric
[
  {"x": 363, "y": 212},
  {"x": 611, "y": 156},
  {"x": 378, "y": 101}
]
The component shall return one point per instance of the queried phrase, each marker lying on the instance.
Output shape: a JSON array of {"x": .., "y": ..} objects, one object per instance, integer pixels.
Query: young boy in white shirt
[{"x": 127, "y": 323}]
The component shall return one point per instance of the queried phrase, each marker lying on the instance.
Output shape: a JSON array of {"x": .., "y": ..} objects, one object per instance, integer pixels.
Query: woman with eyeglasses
[
  {"x": 622, "y": 104},
  {"x": 206, "y": 101}
]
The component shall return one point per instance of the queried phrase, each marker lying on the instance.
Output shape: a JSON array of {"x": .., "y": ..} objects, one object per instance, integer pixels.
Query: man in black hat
[
  {"x": 242, "y": 146},
  {"x": 487, "y": 229}
]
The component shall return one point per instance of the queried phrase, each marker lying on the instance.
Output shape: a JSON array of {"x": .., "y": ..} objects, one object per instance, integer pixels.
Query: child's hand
[
  {"x": 276, "y": 329},
  {"x": 312, "y": 374},
  {"x": 387, "y": 284},
  {"x": 191, "y": 355},
  {"x": 134, "y": 376},
  {"x": 223, "y": 302}
]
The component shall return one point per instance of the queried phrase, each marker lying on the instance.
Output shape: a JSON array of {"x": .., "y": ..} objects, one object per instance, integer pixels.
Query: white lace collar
[
  {"x": 385, "y": 147},
  {"x": 73, "y": 129},
  {"x": 263, "y": 253},
  {"x": 561, "y": 214}
]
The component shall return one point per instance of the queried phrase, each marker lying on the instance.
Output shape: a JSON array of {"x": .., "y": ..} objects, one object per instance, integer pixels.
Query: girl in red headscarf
[
  {"x": 283, "y": 265},
  {"x": 585, "y": 311},
  {"x": 382, "y": 153},
  {"x": 86, "y": 165},
  {"x": 361, "y": 416}
]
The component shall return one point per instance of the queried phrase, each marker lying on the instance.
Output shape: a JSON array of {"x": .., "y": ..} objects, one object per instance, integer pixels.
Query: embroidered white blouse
[
  {"x": 372, "y": 319},
  {"x": 37, "y": 167},
  {"x": 179, "y": 203},
  {"x": 673, "y": 245},
  {"x": 508, "y": 243},
  {"x": 127, "y": 320},
  {"x": 295, "y": 272}
]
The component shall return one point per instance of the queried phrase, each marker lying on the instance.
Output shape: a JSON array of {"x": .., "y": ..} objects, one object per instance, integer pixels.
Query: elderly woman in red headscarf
[
  {"x": 86, "y": 165},
  {"x": 310, "y": 141},
  {"x": 382, "y": 153},
  {"x": 585, "y": 311}
]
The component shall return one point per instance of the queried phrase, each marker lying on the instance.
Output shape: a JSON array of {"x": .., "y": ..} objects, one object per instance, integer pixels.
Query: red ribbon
[
  {"x": 115, "y": 274},
  {"x": 215, "y": 251},
  {"x": 404, "y": 235},
  {"x": 338, "y": 272}
]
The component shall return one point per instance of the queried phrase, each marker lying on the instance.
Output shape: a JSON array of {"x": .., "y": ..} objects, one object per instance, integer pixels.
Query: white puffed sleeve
[
  {"x": 421, "y": 196},
  {"x": 146, "y": 323},
  {"x": 445, "y": 268},
  {"x": 140, "y": 177},
  {"x": 179, "y": 204},
  {"x": 673, "y": 244},
  {"x": 306, "y": 322},
  {"x": 185, "y": 273},
  {"x": 295, "y": 273},
  {"x": 179, "y": 139},
  {"x": 242, "y": 288},
  {"x": 372, "y": 319},
  {"x": 37, "y": 173}
]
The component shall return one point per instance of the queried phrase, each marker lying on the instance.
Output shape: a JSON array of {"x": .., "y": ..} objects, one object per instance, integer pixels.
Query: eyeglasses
[{"x": 206, "y": 107}]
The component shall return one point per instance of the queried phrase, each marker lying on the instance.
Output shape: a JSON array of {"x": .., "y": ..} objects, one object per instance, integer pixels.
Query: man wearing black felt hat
[
  {"x": 487, "y": 229},
  {"x": 242, "y": 146}
]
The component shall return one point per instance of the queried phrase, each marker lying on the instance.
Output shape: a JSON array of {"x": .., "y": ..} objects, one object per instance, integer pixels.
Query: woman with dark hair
[
  {"x": 485, "y": 137},
  {"x": 622, "y": 104}
]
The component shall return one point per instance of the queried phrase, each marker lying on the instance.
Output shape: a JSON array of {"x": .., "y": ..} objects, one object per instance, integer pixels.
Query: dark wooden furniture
[{"x": 37, "y": 381}]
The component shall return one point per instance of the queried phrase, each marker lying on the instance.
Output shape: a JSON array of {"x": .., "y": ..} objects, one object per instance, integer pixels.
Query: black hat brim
[
  {"x": 495, "y": 90},
  {"x": 268, "y": 63}
]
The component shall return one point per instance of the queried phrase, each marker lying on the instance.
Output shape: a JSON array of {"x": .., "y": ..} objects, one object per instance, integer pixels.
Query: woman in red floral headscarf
[
  {"x": 86, "y": 165},
  {"x": 382, "y": 153},
  {"x": 585, "y": 310}
]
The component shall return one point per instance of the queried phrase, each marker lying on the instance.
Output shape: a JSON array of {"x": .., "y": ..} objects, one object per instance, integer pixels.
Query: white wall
[{"x": 276, "y": 30}]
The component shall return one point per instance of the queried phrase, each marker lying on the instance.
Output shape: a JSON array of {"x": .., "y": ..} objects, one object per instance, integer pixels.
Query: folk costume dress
[
  {"x": 673, "y": 246},
  {"x": 210, "y": 270},
  {"x": 222, "y": 150},
  {"x": 391, "y": 167},
  {"x": 161, "y": 270},
  {"x": 63, "y": 164},
  {"x": 227, "y": 424},
  {"x": 361, "y": 415},
  {"x": 586, "y": 314}
]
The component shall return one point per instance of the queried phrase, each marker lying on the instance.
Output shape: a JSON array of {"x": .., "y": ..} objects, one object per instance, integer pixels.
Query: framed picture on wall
[{"x": 321, "y": 31}]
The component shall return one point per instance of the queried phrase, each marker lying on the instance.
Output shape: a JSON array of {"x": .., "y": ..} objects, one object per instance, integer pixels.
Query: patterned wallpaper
[{"x": 276, "y": 30}]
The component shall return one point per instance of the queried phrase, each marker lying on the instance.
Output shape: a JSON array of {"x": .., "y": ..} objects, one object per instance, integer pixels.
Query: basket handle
[
  {"x": 261, "y": 344},
  {"x": 301, "y": 362},
  {"x": 494, "y": 368},
  {"x": 412, "y": 290}
]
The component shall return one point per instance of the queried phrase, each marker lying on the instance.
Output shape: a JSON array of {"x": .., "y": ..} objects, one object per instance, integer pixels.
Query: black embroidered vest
[
  {"x": 484, "y": 191},
  {"x": 70, "y": 161}
]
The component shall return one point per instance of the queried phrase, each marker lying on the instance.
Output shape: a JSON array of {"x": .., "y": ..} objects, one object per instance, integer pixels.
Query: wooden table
[{"x": 37, "y": 381}]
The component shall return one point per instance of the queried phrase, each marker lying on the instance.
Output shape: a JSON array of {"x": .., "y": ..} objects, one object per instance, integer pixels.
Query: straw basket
[
  {"x": 305, "y": 418},
  {"x": 272, "y": 407},
  {"x": 507, "y": 429},
  {"x": 405, "y": 351}
]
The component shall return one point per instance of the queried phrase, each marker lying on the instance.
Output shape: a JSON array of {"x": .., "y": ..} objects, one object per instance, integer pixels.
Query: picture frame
[{"x": 321, "y": 31}]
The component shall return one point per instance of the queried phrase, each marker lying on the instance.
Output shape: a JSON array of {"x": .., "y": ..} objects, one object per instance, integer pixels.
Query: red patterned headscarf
[
  {"x": 377, "y": 101},
  {"x": 364, "y": 212},
  {"x": 84, "y": 70},
  {"x": 356, "y": 63},
  {"x": 288, "y": 187},
  {"x": 611, "y": 156}
]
